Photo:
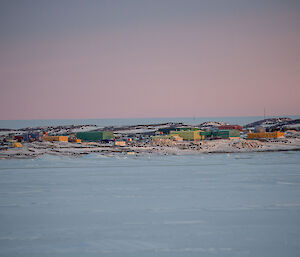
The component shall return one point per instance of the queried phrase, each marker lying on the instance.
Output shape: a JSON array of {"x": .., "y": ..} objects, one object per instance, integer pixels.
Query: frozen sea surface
[{"x": 204, "y": 205}]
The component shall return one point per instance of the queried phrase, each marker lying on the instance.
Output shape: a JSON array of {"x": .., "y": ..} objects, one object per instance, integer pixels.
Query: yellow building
[
  {"x": 176, "y": 138},
  {"x": 55, "y": 138},
  {"x": 190, "y": 135},
  {"x": 16, "y": 144},
  {"x": 275, "y": 134},
  {"x": 170, "y": 138}
]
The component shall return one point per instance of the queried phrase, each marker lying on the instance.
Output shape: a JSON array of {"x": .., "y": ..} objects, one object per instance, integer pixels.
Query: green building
[
  {"x": 94, "y": 136},
  {"x": 206, "y": 133},
  {"x": 224, "y": 134}
]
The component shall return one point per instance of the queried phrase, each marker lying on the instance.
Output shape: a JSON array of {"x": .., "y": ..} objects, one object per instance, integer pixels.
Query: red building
[
  {"x": 19, "y": 138},
  {"x": 237, "y": 127}
]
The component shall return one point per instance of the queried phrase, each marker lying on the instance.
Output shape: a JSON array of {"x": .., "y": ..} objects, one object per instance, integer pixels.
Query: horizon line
[{"x": 169, "y": 117}]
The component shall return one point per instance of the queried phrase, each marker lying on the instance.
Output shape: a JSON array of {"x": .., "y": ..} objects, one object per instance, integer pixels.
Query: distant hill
[{"x": 268, "y": 122}]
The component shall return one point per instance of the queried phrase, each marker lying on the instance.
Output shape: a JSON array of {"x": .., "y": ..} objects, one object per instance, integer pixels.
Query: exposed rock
[
  {"x": 248, "y": 144},
  {"x": 260, "y": 129},
  {"x": 210, "y": 124}
]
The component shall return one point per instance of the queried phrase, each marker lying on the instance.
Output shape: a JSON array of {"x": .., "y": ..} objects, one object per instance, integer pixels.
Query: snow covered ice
[{"x": 194, "y": 205}]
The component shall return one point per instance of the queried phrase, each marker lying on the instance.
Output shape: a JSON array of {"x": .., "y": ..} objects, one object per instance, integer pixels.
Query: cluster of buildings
[
  {"x": 92, "y": 136},
  {"x": 173, "y": 133},
  {"x": 194, "y": 134},
  {"x": 220, "y": 132},
  {"x": 43, "y": 136}
]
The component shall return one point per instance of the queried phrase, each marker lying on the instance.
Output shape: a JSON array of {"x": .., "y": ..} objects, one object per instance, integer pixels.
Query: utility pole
[{"x": 264, "y": 113}]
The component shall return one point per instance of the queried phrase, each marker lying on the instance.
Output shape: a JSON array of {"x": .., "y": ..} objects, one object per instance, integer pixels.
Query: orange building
[
  {"x": 120, "y": 143},
  {"x": 55, "y": 138},
  {"x": 276, "y": 134}
]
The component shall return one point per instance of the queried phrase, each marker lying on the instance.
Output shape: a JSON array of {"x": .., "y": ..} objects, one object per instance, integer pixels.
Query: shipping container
[{"x": 94, "y": 136}]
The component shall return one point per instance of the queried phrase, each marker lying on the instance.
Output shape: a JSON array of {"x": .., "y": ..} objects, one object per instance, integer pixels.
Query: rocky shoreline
[{"x": 36, "y": 149}]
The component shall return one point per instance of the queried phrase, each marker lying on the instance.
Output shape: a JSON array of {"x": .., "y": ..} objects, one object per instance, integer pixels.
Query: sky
[{"x": 69, "y": 59}]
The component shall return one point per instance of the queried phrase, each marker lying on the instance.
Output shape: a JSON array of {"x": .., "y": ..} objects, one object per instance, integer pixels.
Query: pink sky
[{"x": 234, "y": 65}]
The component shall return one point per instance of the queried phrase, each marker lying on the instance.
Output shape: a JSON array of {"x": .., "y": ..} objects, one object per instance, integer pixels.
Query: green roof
[{"x": 93, "y": 136}]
